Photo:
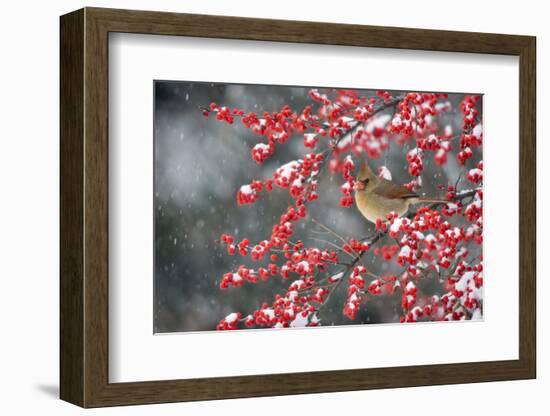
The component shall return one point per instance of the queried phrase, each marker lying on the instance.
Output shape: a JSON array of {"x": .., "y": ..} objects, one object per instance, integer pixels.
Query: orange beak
[{"x": 359, "y": 186}]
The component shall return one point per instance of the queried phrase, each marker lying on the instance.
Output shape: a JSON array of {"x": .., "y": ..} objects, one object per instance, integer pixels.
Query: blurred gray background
[{"x": 200, "y": 163}]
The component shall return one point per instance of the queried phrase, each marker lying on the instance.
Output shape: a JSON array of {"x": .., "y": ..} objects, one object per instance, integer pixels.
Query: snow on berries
[
  {"x": 416, "y": 163},
  {"x": 475, "y": 175},
  {"x": 248, "y": 194},
  {"x": 384, "y": 173},
  {"x": 310, "y": 140},
  {"x": 261, "y": 151}
]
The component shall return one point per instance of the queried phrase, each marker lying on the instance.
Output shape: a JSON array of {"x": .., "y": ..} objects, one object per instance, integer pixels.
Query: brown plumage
[{"x": 376, "y": 197}]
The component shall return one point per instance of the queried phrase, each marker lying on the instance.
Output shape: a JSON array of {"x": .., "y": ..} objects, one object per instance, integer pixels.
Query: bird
[{"x": 376, "y": 197}]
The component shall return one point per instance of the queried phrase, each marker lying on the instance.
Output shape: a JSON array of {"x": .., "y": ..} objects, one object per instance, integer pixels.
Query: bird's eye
[{"x": 366, "y": 181}]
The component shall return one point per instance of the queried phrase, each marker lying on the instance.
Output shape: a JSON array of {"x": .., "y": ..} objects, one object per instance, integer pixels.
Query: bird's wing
[{"x": 390, "y": 190}]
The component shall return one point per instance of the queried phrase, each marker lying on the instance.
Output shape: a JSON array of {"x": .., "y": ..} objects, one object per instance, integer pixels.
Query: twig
[
  {"x": 328, "y": 230},
  {"x": 337, "y": 247}
]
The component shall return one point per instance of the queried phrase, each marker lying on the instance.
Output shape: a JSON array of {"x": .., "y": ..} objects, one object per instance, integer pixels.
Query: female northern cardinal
[{"x": 376, "y": 197}]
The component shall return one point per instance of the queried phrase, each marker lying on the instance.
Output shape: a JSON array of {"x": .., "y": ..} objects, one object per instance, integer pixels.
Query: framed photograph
[{"x": 261, "y": 207}]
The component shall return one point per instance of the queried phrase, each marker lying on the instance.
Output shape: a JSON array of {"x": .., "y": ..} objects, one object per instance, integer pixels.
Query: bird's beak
[{"x": 359, "y": 186}]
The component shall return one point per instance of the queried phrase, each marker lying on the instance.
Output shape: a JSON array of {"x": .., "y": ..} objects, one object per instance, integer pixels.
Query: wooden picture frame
[{"x": 84, "y": 207}]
